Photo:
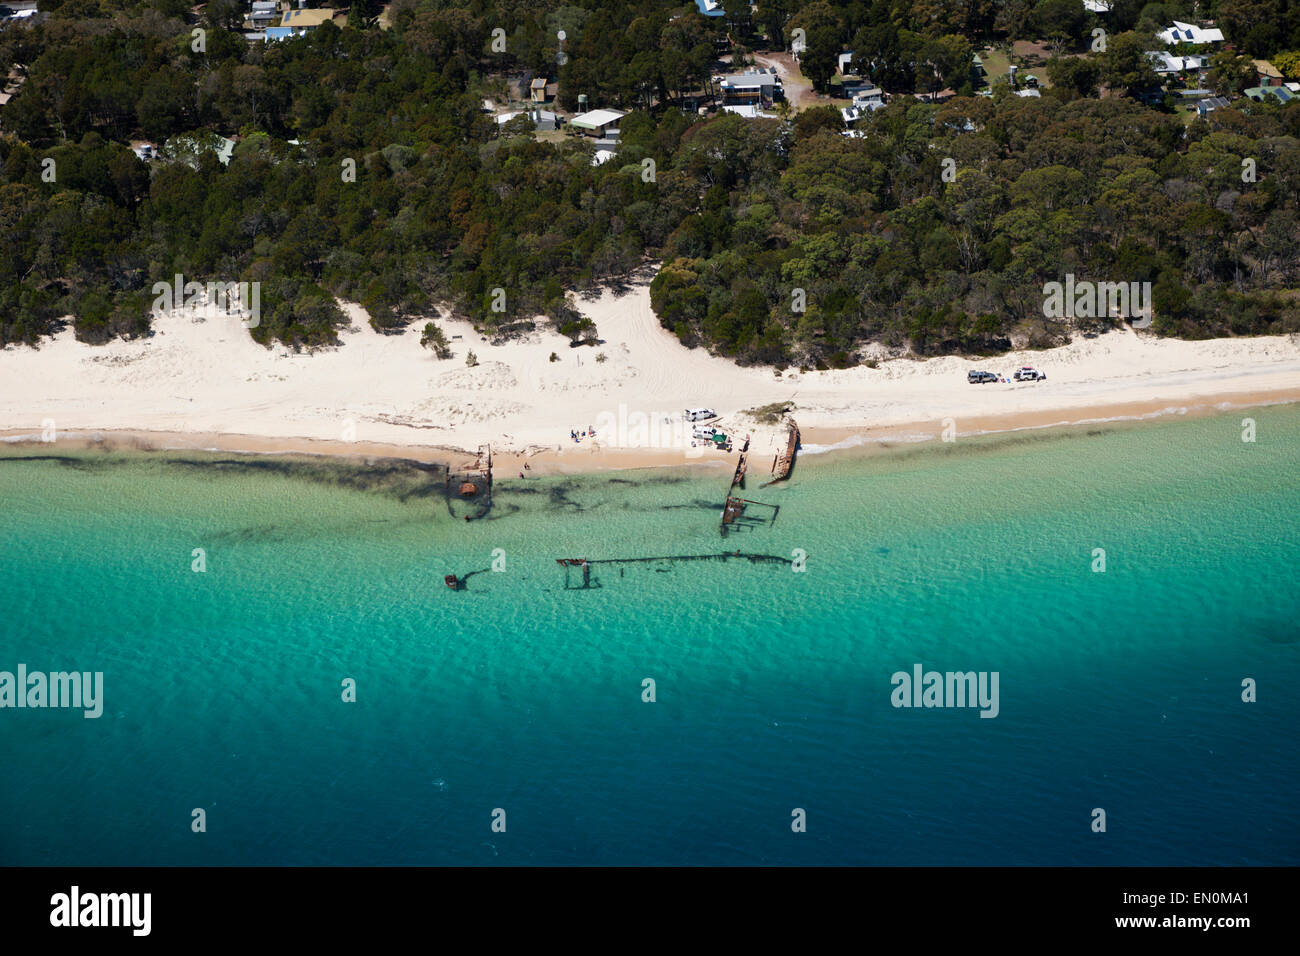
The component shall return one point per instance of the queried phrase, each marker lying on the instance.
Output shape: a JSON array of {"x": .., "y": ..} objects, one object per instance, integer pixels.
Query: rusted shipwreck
[
  {"x": 733, "y": 510},
  {"x": 783, "y": 461},
  {"x": 469, "y": 490}
]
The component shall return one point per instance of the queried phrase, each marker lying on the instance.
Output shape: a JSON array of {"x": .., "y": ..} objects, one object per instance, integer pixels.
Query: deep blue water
[{"x": 1119, "y": 689}]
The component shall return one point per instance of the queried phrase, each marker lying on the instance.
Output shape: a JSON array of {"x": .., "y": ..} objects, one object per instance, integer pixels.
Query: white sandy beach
[{"x": 203, "y": 382}]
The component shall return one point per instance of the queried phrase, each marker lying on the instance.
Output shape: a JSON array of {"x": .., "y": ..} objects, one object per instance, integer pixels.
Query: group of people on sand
[{"x": 578, "y": 436}]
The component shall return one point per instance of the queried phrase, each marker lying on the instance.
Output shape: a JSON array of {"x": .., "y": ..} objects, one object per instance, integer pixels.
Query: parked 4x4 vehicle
[
  {"x": 1027, "y": 374},
  {"x": 975, "y": 378}
]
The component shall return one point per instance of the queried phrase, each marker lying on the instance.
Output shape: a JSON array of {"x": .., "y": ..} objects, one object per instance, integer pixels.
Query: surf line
[{"x": 81, "y": 689}]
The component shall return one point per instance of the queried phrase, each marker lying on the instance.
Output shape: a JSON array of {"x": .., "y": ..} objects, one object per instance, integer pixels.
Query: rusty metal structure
[
  {"x": 469, "y": 490},
  {"x": 783, "y": 462},
  {"x": 585, "y": 565},
  {"x": 733, "y": 509},
  {"x": 581, "y": 563}
]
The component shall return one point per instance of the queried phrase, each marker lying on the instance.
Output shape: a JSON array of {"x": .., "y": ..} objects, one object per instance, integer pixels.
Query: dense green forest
[
  {"x": 886, "y": 250},
  {"x": 445, "y": 207}
]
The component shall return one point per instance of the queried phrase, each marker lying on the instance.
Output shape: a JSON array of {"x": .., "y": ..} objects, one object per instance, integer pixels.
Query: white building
[
  {"x": 863, "y": 105},
  {"x": 597, "y": 122},
  {"x": 543, "y": 120},
  {"x": 1166, "y": 63},
  {"x": 1189, "y": 33},
  {"x": 186, "y": 147},
  {"x": 871, "y": 98},
  {"x": 747, "y": 110}
]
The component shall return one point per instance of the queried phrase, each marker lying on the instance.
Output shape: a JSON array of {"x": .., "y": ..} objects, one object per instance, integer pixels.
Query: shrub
[{"x": 433, "y": 338}]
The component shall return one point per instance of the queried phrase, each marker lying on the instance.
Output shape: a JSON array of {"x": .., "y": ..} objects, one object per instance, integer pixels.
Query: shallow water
[{"x": 1118, "y": 690}]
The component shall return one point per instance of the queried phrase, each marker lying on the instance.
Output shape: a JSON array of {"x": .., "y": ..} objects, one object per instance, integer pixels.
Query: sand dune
[{"x": 202, "y": 375}]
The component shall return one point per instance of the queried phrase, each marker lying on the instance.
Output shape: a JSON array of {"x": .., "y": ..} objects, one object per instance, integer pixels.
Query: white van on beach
[{"x": 699, "y": 414}]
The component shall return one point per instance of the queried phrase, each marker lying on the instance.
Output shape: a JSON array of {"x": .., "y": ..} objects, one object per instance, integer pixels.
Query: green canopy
[{"x": 720, "y": 438}]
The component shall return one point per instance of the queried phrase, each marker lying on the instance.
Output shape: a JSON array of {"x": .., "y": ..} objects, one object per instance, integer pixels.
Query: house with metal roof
[
  {"x": 1189, "y": 33},
  {"x": 1208, "y": 105},
  {"x": 1262, "y": 93},
  {"x": 597, "y": 122},
  {"x": 1267, "y": 74},
  {"x": 264, "y": 14},
  {"x": 1166, "y": 63},
  {"x": 872, "y": 100},
  {"x": 186, "y": 147},
  {"x": 542, "y": 120},
  {"x": 301, "y": 20},
  {"x": 751, "y": 89}
]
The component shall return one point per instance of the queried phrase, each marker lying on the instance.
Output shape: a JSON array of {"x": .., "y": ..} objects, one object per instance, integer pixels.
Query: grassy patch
[{"x": 769, "y": 414}]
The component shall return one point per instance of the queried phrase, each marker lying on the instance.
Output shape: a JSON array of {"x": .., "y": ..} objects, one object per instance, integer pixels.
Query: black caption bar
[{"x": 333, "y": 906}]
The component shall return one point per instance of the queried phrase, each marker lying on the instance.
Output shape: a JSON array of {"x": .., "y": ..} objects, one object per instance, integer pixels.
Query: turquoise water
[{"x": 1119, "y": 690}]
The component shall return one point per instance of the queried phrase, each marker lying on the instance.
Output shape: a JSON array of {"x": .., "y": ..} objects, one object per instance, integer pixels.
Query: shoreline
[
  {"x": 200, "y": 382},
  {"x": 1135, "y": 413},
  {"x": 816, "y": 442}
]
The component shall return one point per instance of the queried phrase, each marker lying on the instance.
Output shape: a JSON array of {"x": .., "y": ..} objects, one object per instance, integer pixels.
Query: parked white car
[
  {"x": 699, "y": 414},
  {"x": 1027, "y": 374}
]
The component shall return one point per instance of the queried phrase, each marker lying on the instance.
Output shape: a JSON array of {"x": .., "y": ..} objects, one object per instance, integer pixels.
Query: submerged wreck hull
[
  {"x": 783, "y": 463},
  {"x": 469, "y": 491}
]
